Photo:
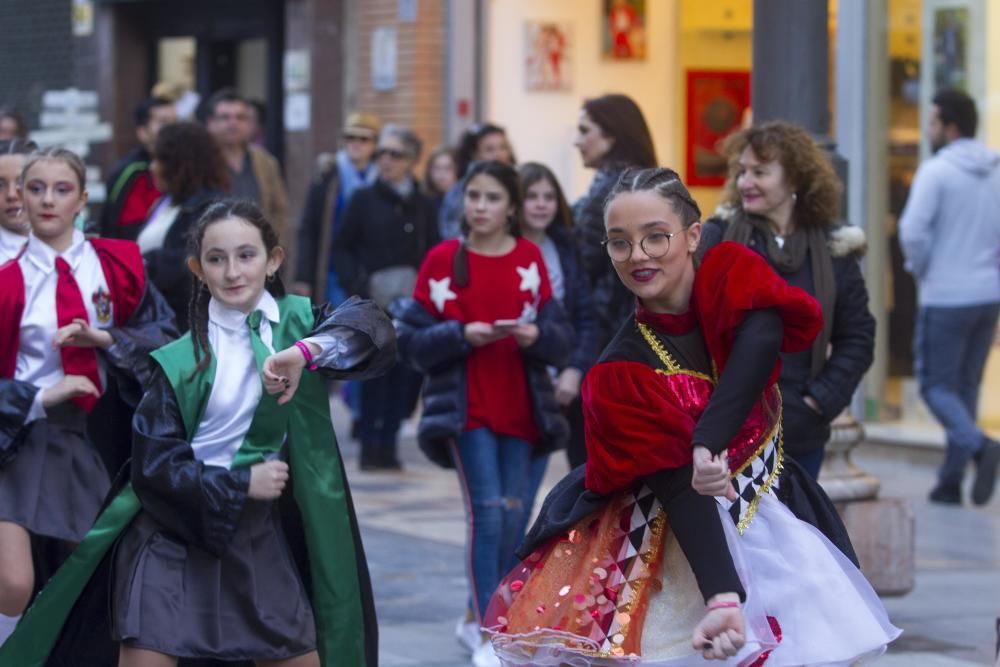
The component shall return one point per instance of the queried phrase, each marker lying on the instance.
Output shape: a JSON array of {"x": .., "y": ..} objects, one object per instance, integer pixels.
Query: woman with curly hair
[
  {"x": 188, "y": 168},
  {"x": 781, "y": 200}
]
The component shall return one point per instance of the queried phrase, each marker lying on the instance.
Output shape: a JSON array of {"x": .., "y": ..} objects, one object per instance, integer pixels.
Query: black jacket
[
  {"x": 438, "y": 350},
  {"x": 852, "y": 341},
  {"x": 614, "y": 302},
  {"x": 167, "y": 267},
  {"x": 578, "y": 302},
  {"x": 382, "y": 229}
]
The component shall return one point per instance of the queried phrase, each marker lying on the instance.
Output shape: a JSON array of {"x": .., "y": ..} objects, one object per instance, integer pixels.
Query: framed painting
[
  {"x": 623, "y": 28},
  {"x": 717, "y": 102},
  {"x": 547, "y": 56}
]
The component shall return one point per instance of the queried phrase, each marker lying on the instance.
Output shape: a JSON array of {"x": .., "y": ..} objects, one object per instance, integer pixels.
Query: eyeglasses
[
  {"x": 655, "y": 245},
  {"x": 363, "y": 138},
  {"x": 393, "y": 153}
]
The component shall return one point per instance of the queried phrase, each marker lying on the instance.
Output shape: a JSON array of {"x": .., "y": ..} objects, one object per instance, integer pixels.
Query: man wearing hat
[{"x": 335, "y": 179}]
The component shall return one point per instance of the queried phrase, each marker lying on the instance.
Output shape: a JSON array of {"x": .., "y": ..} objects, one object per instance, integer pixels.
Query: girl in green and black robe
[{"x": 236, "y": 539}]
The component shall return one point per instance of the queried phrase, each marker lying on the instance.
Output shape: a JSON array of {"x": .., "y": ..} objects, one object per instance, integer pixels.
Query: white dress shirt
[
  {"x": 10, "y": 244},
  {"x": 237, "y": 388},
  {"x": 38, "y": 362}
]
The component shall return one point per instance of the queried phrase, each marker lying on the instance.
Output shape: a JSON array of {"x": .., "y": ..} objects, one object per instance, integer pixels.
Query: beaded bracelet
[
  {"x": 307, "y": 353},
  {"x": 724, "y": 605}
]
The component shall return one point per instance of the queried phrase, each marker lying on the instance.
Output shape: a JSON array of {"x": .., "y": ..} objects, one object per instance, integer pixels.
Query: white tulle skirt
[{"x": 807, "y": 604}]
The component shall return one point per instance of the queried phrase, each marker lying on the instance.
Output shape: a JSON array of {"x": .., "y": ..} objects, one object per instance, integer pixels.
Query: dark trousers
[
  {"x": 951, "y": 347},
  {"x": 385, "y": 402}
]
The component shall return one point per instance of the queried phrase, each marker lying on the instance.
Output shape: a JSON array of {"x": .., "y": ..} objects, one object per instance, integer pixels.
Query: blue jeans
[
  {"x": 950, "y": 349},
  {"x": 493, "y": 471}
]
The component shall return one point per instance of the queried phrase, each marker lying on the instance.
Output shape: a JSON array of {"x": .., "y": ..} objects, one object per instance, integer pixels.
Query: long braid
[{"x": 198, "y": 317}]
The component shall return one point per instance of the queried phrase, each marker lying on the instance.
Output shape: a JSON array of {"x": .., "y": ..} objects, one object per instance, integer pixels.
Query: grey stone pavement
[{"x": 414, "y": 530}]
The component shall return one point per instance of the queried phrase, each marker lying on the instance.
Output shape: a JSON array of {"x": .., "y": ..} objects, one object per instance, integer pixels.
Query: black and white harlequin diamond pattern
[{"x": 749, "y": 481}]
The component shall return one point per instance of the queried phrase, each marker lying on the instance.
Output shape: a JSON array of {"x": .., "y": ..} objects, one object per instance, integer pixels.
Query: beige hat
[{"x": 362, "y": 120}]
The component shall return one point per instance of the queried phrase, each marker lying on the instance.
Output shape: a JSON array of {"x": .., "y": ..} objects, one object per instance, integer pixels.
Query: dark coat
[
  {"x": 382, "y": 229},
  {"x": 578, "y": 302},
  {"x": 615, "y": 303},
  {"x": 852, "y": 340},
  {"x": 312, "y": 258},
  {"x": 438, "y": 349},
  {"x": 167, "y": 267}
]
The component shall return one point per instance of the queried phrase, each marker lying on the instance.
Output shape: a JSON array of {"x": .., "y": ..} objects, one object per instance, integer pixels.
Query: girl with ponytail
[{"x": 483, "y": 327}]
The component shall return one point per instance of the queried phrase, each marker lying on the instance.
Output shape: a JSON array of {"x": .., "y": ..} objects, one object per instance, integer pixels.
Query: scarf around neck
[{"x": 789, "y": 258}]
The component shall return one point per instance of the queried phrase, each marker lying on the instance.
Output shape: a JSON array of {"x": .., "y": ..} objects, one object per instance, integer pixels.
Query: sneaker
[
  {"x": 467, "y": 634},
  {"x": 485, "y": 656},
  {"x": 986, "y": 473},
  {"x": 946, "y": 494}
]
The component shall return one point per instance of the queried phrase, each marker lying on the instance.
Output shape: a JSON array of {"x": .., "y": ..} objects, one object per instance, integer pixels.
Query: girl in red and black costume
[
  {"x": 484, "y": 327},
  {"x": 672, "y": 546},
  {"x": 77, "y": 320}
]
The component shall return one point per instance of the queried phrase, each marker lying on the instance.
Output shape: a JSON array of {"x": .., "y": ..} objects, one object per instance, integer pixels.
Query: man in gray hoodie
[{"x": 950, "y": 234}]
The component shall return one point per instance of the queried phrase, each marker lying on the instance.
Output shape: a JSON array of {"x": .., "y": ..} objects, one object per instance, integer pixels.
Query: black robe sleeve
[
  {"x": 754, "y": 354},
  {"x": 16, "y": 398},
  {"x": 365, "y": 336},
  {"x": 554, "y": 344},
  {"x": 696, "y": 523},
  {"x": 151, "y": 326},
  {"x": 200, "y": 504}
]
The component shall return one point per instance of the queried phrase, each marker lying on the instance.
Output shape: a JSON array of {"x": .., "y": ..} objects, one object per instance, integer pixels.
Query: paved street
[{"x": 414, "y": 531}]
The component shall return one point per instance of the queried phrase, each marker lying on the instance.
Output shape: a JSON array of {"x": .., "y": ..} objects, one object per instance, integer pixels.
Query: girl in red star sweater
[{"x": 483, "y": 327}]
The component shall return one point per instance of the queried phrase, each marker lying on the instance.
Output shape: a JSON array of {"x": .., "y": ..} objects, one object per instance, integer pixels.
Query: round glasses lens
[
  {"x": 656, "y": 245},
  {"x": 619, "y": 249}
]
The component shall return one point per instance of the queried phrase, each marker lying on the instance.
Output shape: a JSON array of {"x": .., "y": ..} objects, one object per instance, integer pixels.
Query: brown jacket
[{"x": 273, "y": 195}]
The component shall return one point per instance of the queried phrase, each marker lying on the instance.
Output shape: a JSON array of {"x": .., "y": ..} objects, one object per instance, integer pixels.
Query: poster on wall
[
  {"x": 951, "y": 37},
  {"x": 717, "y": 102},
  {"x": 623, "y": 28},
  {"x": 547, "y": 56}
]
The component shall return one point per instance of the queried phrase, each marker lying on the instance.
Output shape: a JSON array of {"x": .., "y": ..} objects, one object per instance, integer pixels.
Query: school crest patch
[{"x": 102, "y": 305}]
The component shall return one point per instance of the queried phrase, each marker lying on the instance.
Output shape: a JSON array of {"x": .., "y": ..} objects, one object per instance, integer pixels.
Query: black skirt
[
  {"x": 178, "y": 599},
  {"x": 56, "y": 483}
]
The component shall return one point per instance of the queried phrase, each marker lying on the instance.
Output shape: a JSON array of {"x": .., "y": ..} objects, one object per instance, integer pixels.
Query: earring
[
  {"x": 270, "y": 277},
  {"x": 795, "y": 198}
]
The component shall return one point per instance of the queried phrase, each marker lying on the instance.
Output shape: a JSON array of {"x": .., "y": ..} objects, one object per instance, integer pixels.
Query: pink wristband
[
  {"x": 724, "y": 605},
  {"x": 307, "y": 353}
]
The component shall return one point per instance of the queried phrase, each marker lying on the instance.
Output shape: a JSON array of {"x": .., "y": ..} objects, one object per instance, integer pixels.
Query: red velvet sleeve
[
  {"x": 733, "y": 279},
  {"x": 633, "y": 425}
]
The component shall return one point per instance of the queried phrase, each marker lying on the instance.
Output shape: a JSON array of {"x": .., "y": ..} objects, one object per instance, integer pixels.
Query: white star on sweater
[
  {"x": 530, "y": 279},
  {"x": 441, "y": 292}
]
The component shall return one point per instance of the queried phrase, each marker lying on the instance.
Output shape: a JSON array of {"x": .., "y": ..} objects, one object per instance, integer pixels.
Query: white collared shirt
[
  {"x": 237, "y": 388},
  {"x": 38, "y": 362},
  {"x": 10, "y": 244}
]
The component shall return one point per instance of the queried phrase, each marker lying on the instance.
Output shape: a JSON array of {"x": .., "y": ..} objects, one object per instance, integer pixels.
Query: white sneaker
[
  {"x": 467, "y": 634},
  {"x": 484, "y": 656}
]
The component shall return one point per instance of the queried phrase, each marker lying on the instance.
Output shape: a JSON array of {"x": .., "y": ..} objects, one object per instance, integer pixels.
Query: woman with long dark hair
[
  {"x": 612, "y": 135},
  {"x": 548, "y": 222},
  {"x": 189, "y": 170}
]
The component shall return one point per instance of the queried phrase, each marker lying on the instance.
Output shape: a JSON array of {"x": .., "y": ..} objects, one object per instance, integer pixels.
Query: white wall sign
[
  {"x": 83, "y": 18},
  {"x": 384, "y": 58},
  {"x": 297, "y": 112},
  {"x": 296, "y": 70},
  {"x": 407, "y": 11}
]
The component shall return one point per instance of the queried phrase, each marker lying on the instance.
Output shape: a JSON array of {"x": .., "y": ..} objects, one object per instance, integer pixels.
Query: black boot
[{"x": 986, "y": 472}]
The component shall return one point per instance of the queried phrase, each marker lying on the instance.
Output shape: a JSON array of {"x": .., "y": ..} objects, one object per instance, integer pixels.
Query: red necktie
[{"x": 69, "y": 306}]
